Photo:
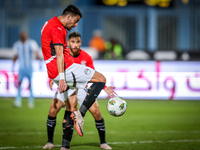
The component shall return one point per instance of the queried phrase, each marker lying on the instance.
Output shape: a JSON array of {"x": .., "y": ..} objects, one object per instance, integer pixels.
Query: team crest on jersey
[{"x": 87, "y": 71}]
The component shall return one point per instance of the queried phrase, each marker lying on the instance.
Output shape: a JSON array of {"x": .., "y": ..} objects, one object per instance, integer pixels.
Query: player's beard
[
  {"x": 75, "y": 52},
  {"x": 68, "y": 28}
]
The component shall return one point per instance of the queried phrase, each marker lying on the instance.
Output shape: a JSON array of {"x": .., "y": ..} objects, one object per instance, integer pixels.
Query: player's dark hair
[
  {"x": 74, "y": 34},
  {"x": 73, "y": 10}
]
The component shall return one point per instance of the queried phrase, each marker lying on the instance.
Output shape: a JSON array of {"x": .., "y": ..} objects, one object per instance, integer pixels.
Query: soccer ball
[{"x": 116, "y": 106}]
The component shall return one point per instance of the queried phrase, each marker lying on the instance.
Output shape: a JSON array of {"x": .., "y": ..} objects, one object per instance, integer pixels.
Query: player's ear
[
  {"x": 68, "y": 42},
  {"x": 68, "y": 16}
]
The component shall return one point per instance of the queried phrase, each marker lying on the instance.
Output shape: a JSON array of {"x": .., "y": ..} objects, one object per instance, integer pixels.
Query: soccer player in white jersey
[
  {"x": 80, "y": 57},
  {"x": 24, "y": 50}
]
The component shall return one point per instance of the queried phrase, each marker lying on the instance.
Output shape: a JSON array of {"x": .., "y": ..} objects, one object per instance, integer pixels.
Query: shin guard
[
  {"x": 92, "y": 94},
  {"x": 68, "y": 124}
]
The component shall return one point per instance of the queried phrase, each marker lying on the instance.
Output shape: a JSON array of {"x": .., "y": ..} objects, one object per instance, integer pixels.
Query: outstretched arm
[
  {"x": 109, "y": 90},
  {"x": 14, "y": 60}
]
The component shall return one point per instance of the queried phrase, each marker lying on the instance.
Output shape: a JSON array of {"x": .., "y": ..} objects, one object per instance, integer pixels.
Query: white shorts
[
  {"x": 65, "y": 95},
  {"x": 81, "y": 94},
  {"x": 77, "y": 76}
]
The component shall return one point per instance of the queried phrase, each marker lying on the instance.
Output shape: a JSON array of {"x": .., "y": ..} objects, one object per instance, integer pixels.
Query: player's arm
[
  {"x": 108, "y": 89},
  {"x": 57, "y": 39},
  {"x": 60, "y": 65},
  {"x": 15, "y": 57},
  {"x": 14, "y": 60}
]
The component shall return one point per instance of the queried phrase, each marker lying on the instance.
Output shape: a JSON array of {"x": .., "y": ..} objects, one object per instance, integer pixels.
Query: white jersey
[{"x": 25, "y": 52}]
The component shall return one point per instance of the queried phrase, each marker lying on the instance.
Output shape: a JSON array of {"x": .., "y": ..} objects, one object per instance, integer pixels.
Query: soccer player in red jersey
[
  {"x": 61, "y": 67},
  {"x": 81, "y": 57}
]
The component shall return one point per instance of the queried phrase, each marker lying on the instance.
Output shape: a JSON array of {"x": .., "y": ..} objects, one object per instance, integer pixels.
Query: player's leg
[
  {"x": 100, "y": 125},
  {"x": 94, "y": 90},
  {"x": 56, "y": 105},
  {"x": 31, "y": 97},
  {"x": 68, "y": 123},
  {"x": 18, "y": 98},
  {"x": 59, "y": 101},
  {"x": 99, "y": 121}
]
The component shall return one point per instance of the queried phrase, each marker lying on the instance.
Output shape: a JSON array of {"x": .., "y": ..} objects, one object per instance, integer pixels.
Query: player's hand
[
  {"x": 51, "y": 84},
  {"x": 62, "y": 86},
  {"x": 109, "y": 90}
]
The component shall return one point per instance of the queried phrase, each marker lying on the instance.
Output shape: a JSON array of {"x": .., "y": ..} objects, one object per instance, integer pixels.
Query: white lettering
[{"x": 44, "y": 26}]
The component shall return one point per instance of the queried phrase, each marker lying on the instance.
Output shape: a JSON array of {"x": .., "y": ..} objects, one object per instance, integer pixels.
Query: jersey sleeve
[
  {"x": 90, "y": 62},
  {"x": 57, "y": 35},
  {"x": 34, "y": 45}
]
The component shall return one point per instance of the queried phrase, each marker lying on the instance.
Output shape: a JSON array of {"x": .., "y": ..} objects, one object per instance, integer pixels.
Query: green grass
[{"x": 146, "y": 125}]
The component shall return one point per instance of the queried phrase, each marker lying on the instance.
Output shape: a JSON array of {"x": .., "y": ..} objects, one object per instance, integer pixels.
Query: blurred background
[{"x": 151, "y": 47}]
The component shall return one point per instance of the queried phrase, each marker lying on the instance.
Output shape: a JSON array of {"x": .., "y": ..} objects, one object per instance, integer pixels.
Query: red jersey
[
  {"x": 84, "y": 59},
  {"x": 54, "y": 33}
]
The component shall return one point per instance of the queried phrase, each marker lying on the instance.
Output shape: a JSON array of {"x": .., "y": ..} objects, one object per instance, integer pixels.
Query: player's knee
[
  {"x": 53, "y": 112},
  {"x": 55, "y": 107},
  {"x": 98, "y": 77},
  {"x": 97, "y": 114}
]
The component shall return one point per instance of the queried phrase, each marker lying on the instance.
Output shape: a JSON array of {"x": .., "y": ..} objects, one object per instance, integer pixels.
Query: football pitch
[{"x": 146, "y": 125}]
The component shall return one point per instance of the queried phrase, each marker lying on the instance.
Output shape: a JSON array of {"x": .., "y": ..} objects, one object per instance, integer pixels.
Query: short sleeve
[
  {"x": 57, "y": 35},
  {"x": 34, "y": 45},
  {"x": 90, "y": 62}
]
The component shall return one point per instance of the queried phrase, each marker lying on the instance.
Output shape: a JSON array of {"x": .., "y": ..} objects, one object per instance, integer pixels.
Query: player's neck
[
  {"x": 61, "y": 19},
  {"x": 74, "y": 55}
]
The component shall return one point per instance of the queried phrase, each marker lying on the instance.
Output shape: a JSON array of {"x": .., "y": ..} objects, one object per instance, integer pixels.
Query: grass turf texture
[{"x": 146, "y": 125}]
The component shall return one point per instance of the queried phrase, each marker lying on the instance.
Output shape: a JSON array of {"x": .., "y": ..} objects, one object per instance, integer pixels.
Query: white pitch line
[
  {"x": 158, "y": 141},
  {"x": 113, "y": 143},
  {"x": 26, "y": 147},
  {"x": 27, "y": 133},
  {"x": 111, "y": 132}
]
